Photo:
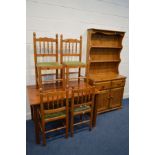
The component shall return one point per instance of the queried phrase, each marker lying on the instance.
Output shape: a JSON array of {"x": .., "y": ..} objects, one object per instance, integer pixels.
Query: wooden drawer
[
  {"x": 118, "y": 83},
  {"x": 103, "y": 85}
]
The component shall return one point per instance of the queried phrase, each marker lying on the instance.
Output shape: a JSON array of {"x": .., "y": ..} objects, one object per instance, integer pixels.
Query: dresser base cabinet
[
  {"x": 102, "y": 100},
  {"x": 116, "y": 97},
  {"x": 109, "y": 95},
  {"x": 107, "y": 100}
]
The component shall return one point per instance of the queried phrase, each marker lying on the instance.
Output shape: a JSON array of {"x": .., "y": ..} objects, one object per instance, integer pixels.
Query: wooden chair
[
  {"x": 71, "y": 49},
  {"x": 82, "y": 104},
  {"x": 53, "y": 107},
  {"x": 47, "y": 48}
]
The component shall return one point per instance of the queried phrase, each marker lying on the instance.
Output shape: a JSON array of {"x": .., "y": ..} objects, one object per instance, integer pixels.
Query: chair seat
[
  {"x": 74, "y": 63},
  {"x": 48, "y": 64},
  {"x": 63, "y": 113},
  {"x": 82, "y": 108}
]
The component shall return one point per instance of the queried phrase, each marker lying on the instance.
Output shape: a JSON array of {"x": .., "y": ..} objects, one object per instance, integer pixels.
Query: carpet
[{"x": 109, "y": 137}]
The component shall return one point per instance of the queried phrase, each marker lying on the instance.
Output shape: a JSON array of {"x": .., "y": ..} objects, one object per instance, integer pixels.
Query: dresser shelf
[
  {"x": 101, "y": 46},
  {"x": 94, "y": 61}
]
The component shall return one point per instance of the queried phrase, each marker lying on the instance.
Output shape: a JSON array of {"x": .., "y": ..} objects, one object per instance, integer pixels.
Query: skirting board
[
  {"x": 28, "y": 115},
  {"x": 126, "y": 96}
]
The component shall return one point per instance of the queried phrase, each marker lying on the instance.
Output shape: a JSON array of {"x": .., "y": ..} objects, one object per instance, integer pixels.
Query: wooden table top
[
  {"x": 105, "y": 77},
  {"x": 33, "y": 92}
]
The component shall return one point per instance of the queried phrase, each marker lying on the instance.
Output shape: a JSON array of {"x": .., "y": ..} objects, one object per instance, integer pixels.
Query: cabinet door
[
  {"x": 116, "y": 96},
  {"x": 102, "y": 100}
]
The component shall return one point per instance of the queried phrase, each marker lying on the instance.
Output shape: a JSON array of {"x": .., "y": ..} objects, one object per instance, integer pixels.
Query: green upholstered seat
[
  {"x": 73, "y": 63},
  {"x": 48, "y": 64},
  {"x": 63, "y": 113},
  {"x": 82, "y": 108}
]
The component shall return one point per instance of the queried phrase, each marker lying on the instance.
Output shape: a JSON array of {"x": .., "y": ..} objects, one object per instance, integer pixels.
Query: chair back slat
[
  {"x": 76, "y": 47},
  {"x": 48, "y": 47},
  {"x": 39, "y": 47},
  {"x": 53, "y": 101},
  {"x": 45, "y": 47},
  {"x": 78, "y": 99},
  {"x": 48, "y": 103},
  {"x": 45, "y": 39},
  {"x": 62, "y": 100},
  {"x": 51, "y": 47},
  {"x": 82, "y": 96},
  {"x": 52, "y": 107},
  {"x": 65, "y": 50},
  {"x": 70, "y": 48},
  {"x": 72, "y": 51},
  {"x": 80, "y": 48},
  {"x": 51, "y": 111},
  {"x": 57, "y": 100}
]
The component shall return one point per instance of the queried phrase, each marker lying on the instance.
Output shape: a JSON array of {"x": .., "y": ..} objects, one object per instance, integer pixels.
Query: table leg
[
  {"x": 94, "y": 114},
  {"x": 35, "y": 119},
  {"x": 31, "y": 112}
]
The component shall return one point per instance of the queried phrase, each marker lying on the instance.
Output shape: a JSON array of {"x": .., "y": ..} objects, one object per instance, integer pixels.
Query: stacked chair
[
  {"x": 82, "y": 104},
  {"x": 65, "y": 104},
  {"x": 53, "y": 107},
  {"x": 47, "y": 48},
  {"x": 71, "y": 55}
]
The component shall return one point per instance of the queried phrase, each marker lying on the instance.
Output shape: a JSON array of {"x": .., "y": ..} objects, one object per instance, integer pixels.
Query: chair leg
[
  {"x": 35, "y": 119},
  {"x": 72, "y": 125},
  {"x": 39, "y": 78},
  {"x": 80, "y": 117},
  {"x": 67, "y": 127},
  {"x": 90, "y": 125},
  {"x": 44, "y": 138},
  {"x": 43, "y": 134},
  {"x": 32, "y": 113}
]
